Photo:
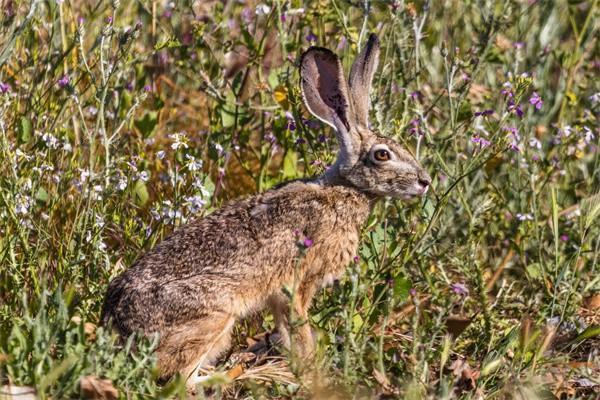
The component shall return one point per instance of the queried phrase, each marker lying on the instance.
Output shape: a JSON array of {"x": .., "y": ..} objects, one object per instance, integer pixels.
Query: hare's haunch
[{"x": 192, "y": 287}]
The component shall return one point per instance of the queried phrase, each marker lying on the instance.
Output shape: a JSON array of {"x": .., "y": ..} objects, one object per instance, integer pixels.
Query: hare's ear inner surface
[
  {"x": 325, "y": 93},
  {"x": 361, "y": 76}
]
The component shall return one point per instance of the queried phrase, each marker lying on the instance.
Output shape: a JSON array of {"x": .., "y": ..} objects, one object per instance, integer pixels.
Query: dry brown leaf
[
  {"x": 90, "y": 331},
  {"x": 503, "y": 43},
  {"x": 478, "y": 92},
  {"x": 466, "y": 376},
  {"x": 386, "y": 385},
  {"x": 592, "y": 302},
  {"x": 236, "y": 371},
  {"x": 456, "y": 324},
  {"x": 95, "y": 388}
]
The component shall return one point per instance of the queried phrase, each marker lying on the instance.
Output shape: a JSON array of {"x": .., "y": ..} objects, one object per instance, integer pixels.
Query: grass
[{"x": 121, "y": 120}]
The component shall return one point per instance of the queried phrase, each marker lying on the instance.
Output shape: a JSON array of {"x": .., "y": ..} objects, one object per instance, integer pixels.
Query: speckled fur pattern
[{"x": 192, "y": 287}]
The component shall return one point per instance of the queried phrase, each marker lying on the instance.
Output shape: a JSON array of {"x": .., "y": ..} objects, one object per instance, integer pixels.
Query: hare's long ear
[
  {"x": 325, "y": 94},
  {"x": 361, "y": 76}
]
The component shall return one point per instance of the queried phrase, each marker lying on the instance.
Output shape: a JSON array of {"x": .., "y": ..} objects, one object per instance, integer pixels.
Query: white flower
[
  {"x": 194, "y": 203},
  {"x": 160, "y": 154},
  {"x": 179, "y": 140},
  {"x": 144, "y": 176},
  {"x": 50, "y": 140},
  {"x": 193, "y": 164},
  {"x": 533, "y": 142},
  {"x": 588, "y": 136},
  {"x": 22, "y": 204},
  {"x": 84, "y": 174},
  {"x": 122, "y": 184},
  {"x": 218, "y": 148},
  {"x": 132, "y": 165},
  {"x": 595, "y": 98},
  {"x": 99, "y": 221},
  {"x": 524, "y": 217},
  {"x": 262, "y": 9}
]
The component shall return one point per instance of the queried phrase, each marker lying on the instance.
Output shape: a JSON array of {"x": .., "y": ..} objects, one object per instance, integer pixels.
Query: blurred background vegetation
[{"x": 121, "y": 120}]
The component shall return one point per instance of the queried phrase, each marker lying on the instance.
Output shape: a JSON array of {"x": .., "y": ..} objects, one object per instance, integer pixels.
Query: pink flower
[
  {"x": 536, "y": 100},
  {"x": 460, "y": 289},
  {"x": 307, "y": 242},
  {"x": 63, "y": 81}
]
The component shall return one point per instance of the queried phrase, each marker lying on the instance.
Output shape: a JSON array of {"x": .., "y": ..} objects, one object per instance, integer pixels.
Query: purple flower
[
  {"x": 311, "y": 38},
  {"x": 484, "y": 113},
  {"x": 247, "y": 15},
  {"x": 4, "y": 87},
  {"x": 356, "y": 259},
  {"x": 63, "y": 82},
  {"x": 283, "y": 18},
  {"x": 524, "y": 217},
  {"x": 80, "y": 20},
  {"x": 416, "y": 95},
  {"x": 481, "y": 141},
  {"x": 535, "y": 143},
  {"x": 109, "y": 20},
  {"x": 415, "y": 129},
  {"x": 269, "y": 137},
  {"x": 300, "y": 141},
  {"x": 507, "y": 89},
  {"x": 412, "y": 292},
  {"x": 312, "y": 123},
  {"x": 291, "y": 122},
  {"x": 516, "y": 108},
  {"x": 564, "y": 238},
  {"x": 460, "y": 289},
  {"x": 187, "y": 38},
  {"x": 129, "y": 86},
  {"x": 536, "y": 100},
  {"x": 342, "y": 44},
  {"x": 307, "y": 242},
  {"x": 147, "y": 88},
  {"x": 518, "y": 45}
]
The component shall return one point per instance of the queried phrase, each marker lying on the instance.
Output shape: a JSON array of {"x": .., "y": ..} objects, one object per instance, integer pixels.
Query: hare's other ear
[
  {"x": 325, "y": 93},
  {"x": 361, "y": 76}
]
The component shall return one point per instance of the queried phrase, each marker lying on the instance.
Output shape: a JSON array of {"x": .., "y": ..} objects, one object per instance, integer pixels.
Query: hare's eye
[{"x": 381, "y": 155}]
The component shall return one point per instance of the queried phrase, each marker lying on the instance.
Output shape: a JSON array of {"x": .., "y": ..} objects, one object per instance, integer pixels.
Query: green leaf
[
  {"x": 24, "y": 130},
  {"x": 141, "y": 192},
  {"x": 147, "y": 123},
  {"x": 42, "y": 195},
  {"x": 289, "y": 165},
  {"x": 227, "y": 117},
  {"x": 588, "y": 333},
  {"x": 401, "y": 288},
  {"x": 464, "y": 111},
  {"x": 357, "y": 322},
  {"x": 534, "y": 271}
]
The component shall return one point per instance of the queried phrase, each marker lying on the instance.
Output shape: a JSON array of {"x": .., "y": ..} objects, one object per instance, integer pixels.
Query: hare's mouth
[{"x": 417, "y": 190}]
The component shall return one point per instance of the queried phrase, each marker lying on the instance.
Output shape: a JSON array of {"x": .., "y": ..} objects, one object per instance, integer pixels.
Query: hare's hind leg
[{"x": 194, "y": 345}]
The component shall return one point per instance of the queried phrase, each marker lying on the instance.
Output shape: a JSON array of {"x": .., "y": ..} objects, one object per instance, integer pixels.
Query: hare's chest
[{"x": 333, "y": 256}]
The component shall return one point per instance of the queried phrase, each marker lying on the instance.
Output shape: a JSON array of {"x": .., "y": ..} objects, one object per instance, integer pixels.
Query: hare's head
[{"x": 367, "y": 160}]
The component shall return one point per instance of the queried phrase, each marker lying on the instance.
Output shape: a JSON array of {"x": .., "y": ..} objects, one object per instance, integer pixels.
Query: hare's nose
[{"x": 424, "y": 180}]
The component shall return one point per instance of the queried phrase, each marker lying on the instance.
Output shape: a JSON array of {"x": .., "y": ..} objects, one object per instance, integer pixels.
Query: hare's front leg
[{"x": 296, "y": 334}]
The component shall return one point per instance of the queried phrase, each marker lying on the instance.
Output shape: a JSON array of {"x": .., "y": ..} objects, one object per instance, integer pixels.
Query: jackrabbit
[{"x": 194, "y": 285}]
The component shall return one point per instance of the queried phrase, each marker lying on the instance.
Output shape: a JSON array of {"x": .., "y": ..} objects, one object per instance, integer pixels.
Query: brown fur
[{"x": 193, "y": 286}]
